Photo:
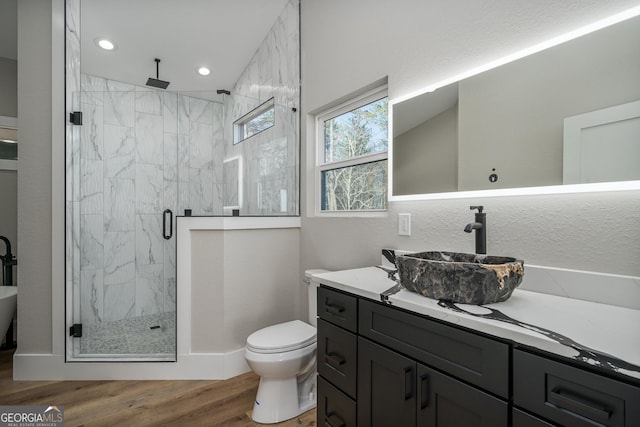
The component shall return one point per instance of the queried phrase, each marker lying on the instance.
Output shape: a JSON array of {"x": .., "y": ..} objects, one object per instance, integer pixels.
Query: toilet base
[{"x": 278, "y": 399}]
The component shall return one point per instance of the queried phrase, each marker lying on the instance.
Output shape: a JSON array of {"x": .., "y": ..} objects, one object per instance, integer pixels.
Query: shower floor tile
[{"x": 150, "y": 336}]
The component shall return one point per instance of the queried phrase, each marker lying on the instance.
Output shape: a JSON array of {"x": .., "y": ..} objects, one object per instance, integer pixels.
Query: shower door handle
[{"x": 167, "y": 212}]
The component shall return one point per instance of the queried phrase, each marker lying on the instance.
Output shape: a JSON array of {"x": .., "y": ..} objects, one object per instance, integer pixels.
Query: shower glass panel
[
  {"x": 124, "y": 185},
  {"x": 261, "y": 171},
  {"x": 141, "y": 157}
]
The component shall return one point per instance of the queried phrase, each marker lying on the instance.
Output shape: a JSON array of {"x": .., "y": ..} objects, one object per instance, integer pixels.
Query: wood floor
[{"x": 142, "y": 403}]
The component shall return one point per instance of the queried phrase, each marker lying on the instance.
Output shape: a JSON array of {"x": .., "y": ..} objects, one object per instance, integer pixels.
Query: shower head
[{"x": 160, "y": 84}]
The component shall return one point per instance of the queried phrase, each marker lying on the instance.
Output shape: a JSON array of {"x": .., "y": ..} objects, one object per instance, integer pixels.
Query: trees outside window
[{"x": 352, "y": 167}]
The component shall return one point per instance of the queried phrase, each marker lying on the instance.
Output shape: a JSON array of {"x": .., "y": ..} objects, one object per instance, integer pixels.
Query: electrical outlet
[{"x": 404, "y": 224}]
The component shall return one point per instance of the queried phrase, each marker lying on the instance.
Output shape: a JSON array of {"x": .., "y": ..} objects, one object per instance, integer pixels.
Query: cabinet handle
[
  {"x": 575, "y": 403},
  {"x": 333, "y": 420},
  {"x": 336, "y": 310},
  {"x": 424, "y": 391},
  {"x": 408, "y": 383},
  {"x": 335, "y": 360}
]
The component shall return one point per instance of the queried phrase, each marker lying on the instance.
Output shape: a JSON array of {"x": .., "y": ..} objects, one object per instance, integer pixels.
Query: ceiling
[{"x": 221, "y": 34}]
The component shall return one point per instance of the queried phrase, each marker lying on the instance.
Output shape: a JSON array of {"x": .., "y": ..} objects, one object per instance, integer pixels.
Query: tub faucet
[
  {"x": 8, "y": 261},
  {"x": 480, "y": 225}
]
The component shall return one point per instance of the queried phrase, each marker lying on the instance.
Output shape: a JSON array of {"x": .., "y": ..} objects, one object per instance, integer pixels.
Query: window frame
[
  {"x": 240, "y": 125},
  {"x": 351, "y": 104}
]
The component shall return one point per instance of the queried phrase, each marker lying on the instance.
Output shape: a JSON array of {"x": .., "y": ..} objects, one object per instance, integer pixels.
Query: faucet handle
[{"x": 480, "y": 208}]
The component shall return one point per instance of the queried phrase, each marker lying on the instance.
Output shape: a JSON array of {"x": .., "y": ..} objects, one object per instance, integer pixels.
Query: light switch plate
[{"x": 404, "y": 224}]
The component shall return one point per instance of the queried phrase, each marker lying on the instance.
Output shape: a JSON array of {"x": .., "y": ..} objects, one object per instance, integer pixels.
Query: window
[
  {"x": 352, "y": 155},
  {"x": 261, "y": 118}
]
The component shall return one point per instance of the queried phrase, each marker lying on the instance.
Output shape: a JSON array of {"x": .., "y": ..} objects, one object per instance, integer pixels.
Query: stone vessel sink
[{"x": 460, "y": 277}]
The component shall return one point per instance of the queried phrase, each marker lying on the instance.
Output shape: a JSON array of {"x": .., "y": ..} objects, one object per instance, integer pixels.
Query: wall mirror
[{"x": 569, "y": 114}]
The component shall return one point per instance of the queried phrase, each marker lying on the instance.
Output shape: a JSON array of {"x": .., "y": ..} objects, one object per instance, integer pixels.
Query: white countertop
[{"x": 589, "y": 332}]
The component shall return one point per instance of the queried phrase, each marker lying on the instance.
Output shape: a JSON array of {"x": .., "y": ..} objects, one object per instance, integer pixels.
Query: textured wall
[
  {"x": 34, "y": 176},
  {"x": 423, "y": 43}
]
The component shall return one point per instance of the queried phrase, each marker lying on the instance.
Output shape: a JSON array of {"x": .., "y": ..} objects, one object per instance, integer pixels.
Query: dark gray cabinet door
[
  {"x": 386, "y": 387},
  {"x": 444, "y": 401}
]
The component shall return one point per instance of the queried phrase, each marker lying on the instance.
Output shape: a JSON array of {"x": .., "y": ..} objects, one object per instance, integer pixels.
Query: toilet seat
[{"x": 281, "y": 338}]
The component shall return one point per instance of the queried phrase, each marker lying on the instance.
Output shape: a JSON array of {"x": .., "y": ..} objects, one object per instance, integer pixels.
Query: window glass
[
  {"x": 355, "y": 188},
  {"x": 352, "y": 155},
  {"x": 258, "y": 120},
  {"x": 358, "y": 132}
]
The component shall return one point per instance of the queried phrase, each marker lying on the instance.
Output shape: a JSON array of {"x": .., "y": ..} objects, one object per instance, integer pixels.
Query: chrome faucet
[{"x": 480, "y": 225}]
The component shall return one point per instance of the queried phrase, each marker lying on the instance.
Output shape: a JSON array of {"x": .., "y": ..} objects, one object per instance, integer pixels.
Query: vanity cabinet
[
  {"x": 394, "y": 390},
  {"x": 411, "y": 363},
  {"x": 380, "y": 365}
]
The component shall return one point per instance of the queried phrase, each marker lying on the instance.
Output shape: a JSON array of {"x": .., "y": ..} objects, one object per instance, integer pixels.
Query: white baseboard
[{"x": 194, "y": 366}]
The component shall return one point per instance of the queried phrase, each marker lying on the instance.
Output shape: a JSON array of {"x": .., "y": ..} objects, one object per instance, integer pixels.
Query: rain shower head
[{"x": 160, "y": 84}]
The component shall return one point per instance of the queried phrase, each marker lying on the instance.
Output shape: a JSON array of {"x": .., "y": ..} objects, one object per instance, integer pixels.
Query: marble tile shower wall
[
  {"x": 141, "y": 151},
  {"x": 270, "y": 158}
]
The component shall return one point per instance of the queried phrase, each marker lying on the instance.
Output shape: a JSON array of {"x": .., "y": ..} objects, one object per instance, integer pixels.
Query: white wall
[
  {"x": 420, "y": 43},
  {"x": 414, "y": 43},
  {"x": 9, "y": 212},
  {"x": 8, "y": 178},
  {"x": 8, "y": 87},
  {"x": 240, "y": 284}
]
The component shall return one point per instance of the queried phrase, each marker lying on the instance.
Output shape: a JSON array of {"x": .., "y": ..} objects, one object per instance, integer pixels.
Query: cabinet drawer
[
  {"x": 335, "y": 409},
  {"x": 477, "y": 360},
  {"x": 338, "y": 356},
  {"x": 338, "y": 308},
  {"x": 522, "y": 419},
  {"x": 572, "y": 396}
]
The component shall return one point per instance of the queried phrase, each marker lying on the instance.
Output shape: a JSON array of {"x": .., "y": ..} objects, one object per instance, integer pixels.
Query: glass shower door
[{"x": 123, "y": 181}]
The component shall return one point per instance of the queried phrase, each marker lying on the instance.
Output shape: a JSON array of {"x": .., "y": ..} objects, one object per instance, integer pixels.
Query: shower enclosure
[
  {"x": 141, "y": 157},
  {"x": 137, "y": 157}
]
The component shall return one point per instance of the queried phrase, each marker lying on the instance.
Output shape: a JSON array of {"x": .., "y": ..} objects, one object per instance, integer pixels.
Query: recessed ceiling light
[
  {"x": 204, "y": 71},
  {"x": 105, "y": 43}
]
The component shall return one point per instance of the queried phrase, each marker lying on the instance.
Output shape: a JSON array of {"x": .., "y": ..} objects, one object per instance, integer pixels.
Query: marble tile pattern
[
  {"x": 270, "y": 158},
  {"x": 141, "y": 151},
  {"x": 125, "y": 159}
]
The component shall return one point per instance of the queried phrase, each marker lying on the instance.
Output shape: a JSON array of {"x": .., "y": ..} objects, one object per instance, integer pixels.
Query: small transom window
[{"x": 259, "y": 119}]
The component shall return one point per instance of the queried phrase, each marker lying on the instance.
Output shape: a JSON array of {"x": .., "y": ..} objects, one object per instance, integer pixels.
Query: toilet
[{"x": 284, "y": 356}]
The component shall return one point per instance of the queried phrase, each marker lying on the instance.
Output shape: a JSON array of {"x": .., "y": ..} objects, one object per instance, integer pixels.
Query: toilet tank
[{"x": 312, "y": 292}]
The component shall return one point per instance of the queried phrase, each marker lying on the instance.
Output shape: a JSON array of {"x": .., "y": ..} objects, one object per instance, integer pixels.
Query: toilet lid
[{"x": 286, "y": 336}]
